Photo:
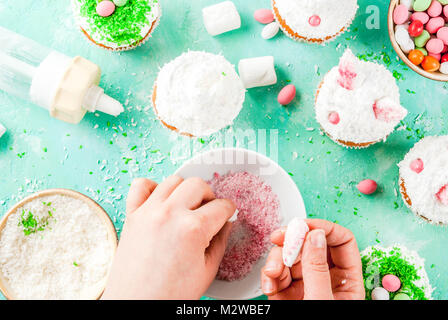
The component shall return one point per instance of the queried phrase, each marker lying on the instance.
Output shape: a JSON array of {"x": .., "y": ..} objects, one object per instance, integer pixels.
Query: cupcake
[
  {"x": 394, "y": 273},
  {"x": 117, "y": 25},
  {"x": 314, "y": 21},
  {"x": 198, "y": 94},
  {"x": 424, "y": 179},
  {"x": 358, "y": 103}
]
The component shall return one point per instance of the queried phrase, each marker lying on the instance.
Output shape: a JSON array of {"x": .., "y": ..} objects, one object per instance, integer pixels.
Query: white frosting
[
  {"x": 199, "y": 93},
  {"x": 372, "y": 85},
  {"x": 334, "y": 15},
  {"x": 412, "y": 258},
  {"x": 99, "y": 36},
  {"x": 422, "y": 187}
]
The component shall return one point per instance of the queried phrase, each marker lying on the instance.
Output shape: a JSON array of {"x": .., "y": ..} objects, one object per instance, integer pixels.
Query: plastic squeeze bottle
[{"x": 66, "y": 87}]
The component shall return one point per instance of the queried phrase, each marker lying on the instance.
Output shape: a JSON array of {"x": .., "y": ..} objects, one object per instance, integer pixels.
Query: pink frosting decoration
[
  {"x": 347, "y": 71},
  {"x": 333, "y": 117},
  {"x": 417, "y": 165},
  {"x": 387, "y": 110},
  {"x": 314, "y": 20},
  {"x": 442, "y": 195}
]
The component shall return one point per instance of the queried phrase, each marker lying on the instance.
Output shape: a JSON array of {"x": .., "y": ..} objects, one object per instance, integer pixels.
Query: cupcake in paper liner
[
  {"x": 424, "y": 179},
  {"x": 314, "y": 21},
  {"x": 358, "y": 103},
  {"x": 128, "y": 27},
  {"x": 396, "y": 261},
  {"x": 198, "y": 94}
]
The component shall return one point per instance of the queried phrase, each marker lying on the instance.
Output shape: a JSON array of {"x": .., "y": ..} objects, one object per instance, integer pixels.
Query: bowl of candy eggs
[{"x": 418, "y": 31}]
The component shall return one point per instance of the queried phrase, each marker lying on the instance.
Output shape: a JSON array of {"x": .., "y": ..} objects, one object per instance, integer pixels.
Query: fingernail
[
  {"x": 318, "y": 239},
  {"x": 271, "y": 266},
  {"x": 277, "y": 233},
  {"x": 267, "y": 286}
]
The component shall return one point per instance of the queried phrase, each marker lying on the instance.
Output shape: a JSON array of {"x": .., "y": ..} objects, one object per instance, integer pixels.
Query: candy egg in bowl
[
  {"x": 418, "y": 34},
  {"x": 253, "y": 178}
]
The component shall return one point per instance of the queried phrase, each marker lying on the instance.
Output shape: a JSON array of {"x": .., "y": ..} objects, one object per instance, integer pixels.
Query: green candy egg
[
  {"x": 423, "y": 50},
  {"x": 422, "y": 5},
  {"x": 401, "y": 296},
  {"x": 421, "y": 40},
  {"x": 443, "y": 2},
  {"x": 120, "y": 3}
]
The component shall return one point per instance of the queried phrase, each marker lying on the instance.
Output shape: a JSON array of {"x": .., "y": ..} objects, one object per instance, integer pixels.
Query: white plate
[{"x": 291, "y": 204}]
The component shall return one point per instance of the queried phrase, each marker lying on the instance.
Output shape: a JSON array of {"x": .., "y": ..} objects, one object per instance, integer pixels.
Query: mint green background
[{"x": 81, "y": 157}]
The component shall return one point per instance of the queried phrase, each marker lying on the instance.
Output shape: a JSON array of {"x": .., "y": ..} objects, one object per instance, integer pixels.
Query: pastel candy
[
  {"x": 333, "y": 118},
  {"x": 257, "y": 72},
  {"x": 120, "y": 3},
  {"x": 435, "y": 9},
  {"x": 422, "y": 39},
  {"x": 445, "y": 11},
  {"x": 442, "y": 34},
  {"x": 421, "y": 5},
  {"x": 221, "y": 18},
  {"x": 417, "y": 165},
  {"x": 264, "y": 16},
  {"x": 367, "y": 186},
  {"x": 270, "y": 30},
  {"x": 286, "y": 95},
  {"x": 421, "y": 16},
  {"x": 434, "y": 24},
  {"x": 435, "y": 46},
  {"x": 402, "y": 36},
  {"x": 437, "y": 56},
  {"x": 442, "y": 195},
  {"x": 423, "y": 50},
  {"x": 401, "y": 14},
  {"x": 105, "y": 8},
  {"x": 391, "y": 283},
  {"x": 444, "y": 68},
  {"x": 380, "y": 293},
  {"x": 407, "y": 3},
  {"x": 294, "y": 238},
  {"x": 401, "y": 296}
]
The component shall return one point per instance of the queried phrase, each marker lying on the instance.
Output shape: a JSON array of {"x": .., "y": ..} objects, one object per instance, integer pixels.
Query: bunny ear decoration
[
  {"x": 442, "y": 195},
  {"x": 347, "y": 70},
  {"x": 388, "y": 110}
]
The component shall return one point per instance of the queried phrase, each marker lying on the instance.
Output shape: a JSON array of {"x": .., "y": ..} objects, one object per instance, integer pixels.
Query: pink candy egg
[
  {"x": 420, "y": 16},
  {"x": 401, "y": 14},
  {"x": 442, "y": 34},
  {"x": 435, "y": 46},
  {"x": 445, "y": 11},
  {"x": 435, "y": 9},
  {"x": 391, "y": 283},
  {"x": 437, "y": 56},
  {"x": 434, "y": 24},
  {"x": 417, "y": 165},
  {"x": 442, "y": 195},
  {"x": 286, "y": 95},
  {"x": 314, "y": 21},
  {"x": 264, "y": 16},
  {"x": 333, "y": 117},
  {"x": 105, "y": 8},
  {"x": 367, "y": 186}
]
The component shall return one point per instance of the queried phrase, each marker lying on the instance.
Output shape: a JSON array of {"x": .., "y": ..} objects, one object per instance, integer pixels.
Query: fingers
[
  {"x": 139, "y": 192},
  {"x": 215, "y": 251},
  {"x": 274, "y": 264},
  {"x": 214, "y": 215},
  {"x": 275, "y": 276},
  {"x": 191, "y": 193},
  {"x": 164, "y": 190},
  {"x": 316, "y": 274}
]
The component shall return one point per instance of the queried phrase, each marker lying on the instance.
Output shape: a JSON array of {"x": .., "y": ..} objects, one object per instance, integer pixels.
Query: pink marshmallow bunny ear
[
  {"x": 442, "y": 195},
  {"x": 347, "y": 70},
  {"x": 388, "y": 110}
]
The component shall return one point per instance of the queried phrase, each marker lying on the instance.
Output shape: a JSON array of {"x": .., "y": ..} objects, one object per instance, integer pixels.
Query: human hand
[
  {"x": 329, "y": 266},
  {"x": 172, "y": 242}
]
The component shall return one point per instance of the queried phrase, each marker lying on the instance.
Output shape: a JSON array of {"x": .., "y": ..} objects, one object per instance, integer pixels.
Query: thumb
[
  {"x": 316, "y": 274},
  {"x": 215, "y": 251}
]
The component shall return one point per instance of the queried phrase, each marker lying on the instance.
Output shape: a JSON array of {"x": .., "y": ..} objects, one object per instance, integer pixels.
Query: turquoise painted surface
[{"x": 92, "y": 157}]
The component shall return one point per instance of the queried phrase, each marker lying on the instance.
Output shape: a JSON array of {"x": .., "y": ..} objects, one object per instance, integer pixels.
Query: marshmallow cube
[
  {"x": 294, "y": 238},
  {"x": 221, "y": 17},
  {"x": 257, "y": 72},
  {"x": 2, "y": 130}
]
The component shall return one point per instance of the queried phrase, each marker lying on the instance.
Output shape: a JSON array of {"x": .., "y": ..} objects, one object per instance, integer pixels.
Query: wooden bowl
[
  {"x": 438, "y": 76},
  {"x": 76, "y": 195}
]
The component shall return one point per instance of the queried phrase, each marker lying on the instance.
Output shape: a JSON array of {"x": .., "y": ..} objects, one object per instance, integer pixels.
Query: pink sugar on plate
[{"x": 258, "y": 216}]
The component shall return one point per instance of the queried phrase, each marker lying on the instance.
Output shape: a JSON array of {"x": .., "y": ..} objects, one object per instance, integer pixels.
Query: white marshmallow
[
  {"x": 444, "y": 68},
  {"x": 2, "y": 130},
  {"x": 257, "y": 72},
  {"x": 221, "y": 17},
  {"x": 294, "y": 238},
  {"x": 270, "y": 30}
]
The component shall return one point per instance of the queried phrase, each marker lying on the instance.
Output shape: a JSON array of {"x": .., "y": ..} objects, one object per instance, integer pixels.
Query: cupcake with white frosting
[
  {"x": 315, "y": 21},
  {"x": 198, "y": 94},
  {"x": 358, "y": 103},
  {"x": 424, "y": 179}
]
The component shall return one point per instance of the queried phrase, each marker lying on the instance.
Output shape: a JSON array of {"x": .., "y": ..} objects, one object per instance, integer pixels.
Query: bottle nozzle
[{"x": 97, "y": 100}]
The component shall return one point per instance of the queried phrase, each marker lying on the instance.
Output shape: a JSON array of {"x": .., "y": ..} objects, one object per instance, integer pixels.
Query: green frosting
[
  {"x": 123, "y": 27},
  {"x": 391, "y": 262}
]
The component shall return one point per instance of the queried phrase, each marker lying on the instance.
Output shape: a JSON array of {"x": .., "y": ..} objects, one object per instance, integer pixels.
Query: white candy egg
[
  {"x": 380, "y": 293},
  {"x": 270, "y": 30},
  {"x": 444, "y": 68}
]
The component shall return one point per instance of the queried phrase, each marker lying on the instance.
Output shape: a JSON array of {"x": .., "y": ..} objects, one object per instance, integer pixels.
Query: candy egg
[
  {"x": 421, "y": 5},
  {"x": 401, "y": 14},
  {"x": 422, "y": 50},
  {"x": 264, "y": 16},
  {"x": 422, "y": 39},
  {"x": 417, "y": 165},
  {"x": 416, "y": 56},
  {"x": 120, "y": 3},
  {"x": 315, "y": 21},
  {"x": 333, "y": 118},
  {"x": 445, "y": 11},
  {"x": 407, "y": 3},
  {"x": 442, "y": 34},
  {"x": 401, "y": 296},
  {"x": 438, "y": 56},
  {"x": 435, "y": 46},
  {"x": 444, "y": 68},
  {"x": 442, "y": 195},
  {"x": 420, "y": 16},
  {"x": 391, "y": 283},
  {"x": 434, "y": 24},
  {"x": 380, "y": 293},
  {"x": 286, "y": 95},
  {"x": 105, "y": 8},
  {"x": 270, "y": 30},
  {"x": 444, "y": 58},
  {"x": 430, "y": 64},
  {"x": 367, "y": 186},
  {"x": 415, "y": 28},
  {"x": 435, "y": 9},
  {"x": 408, "y": 46}
]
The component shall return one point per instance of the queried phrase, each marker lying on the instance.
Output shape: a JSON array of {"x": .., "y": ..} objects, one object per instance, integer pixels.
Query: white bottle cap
[{"x": 97, "y": 100}]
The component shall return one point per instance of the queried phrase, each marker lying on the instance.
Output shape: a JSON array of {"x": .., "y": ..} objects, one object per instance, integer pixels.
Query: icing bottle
[{"x": 66, "y": 87}]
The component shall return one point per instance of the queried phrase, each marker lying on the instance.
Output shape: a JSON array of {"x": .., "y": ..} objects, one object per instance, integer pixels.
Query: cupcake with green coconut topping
[
  {"x": 394, "y": 273},
  {"x": 117, "y": 25}
]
